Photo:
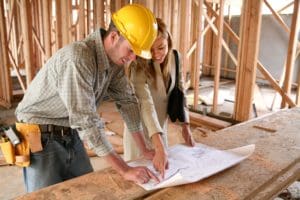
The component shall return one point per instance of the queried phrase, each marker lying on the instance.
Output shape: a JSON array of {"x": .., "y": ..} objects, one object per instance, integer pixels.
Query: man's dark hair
[{"x": 111, "y": 28}]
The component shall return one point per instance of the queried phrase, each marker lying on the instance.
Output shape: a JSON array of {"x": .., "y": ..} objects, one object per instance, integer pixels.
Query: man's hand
[
  {"x": 187, "y": 136},
  {"x": 160, "y": 162},
  {"x": 139, "y": 175}
]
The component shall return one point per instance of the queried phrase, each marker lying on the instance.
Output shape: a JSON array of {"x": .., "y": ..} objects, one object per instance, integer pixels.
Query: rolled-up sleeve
[
  {"x": 75, "y": 87},
  {"x": 126, "y": 102}
]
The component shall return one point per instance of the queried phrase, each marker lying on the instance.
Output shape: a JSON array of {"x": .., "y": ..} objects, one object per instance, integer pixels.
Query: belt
[{"x": 61, "y": 130}]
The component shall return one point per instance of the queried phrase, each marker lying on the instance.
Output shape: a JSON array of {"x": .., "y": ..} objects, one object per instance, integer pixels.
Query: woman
[{"x": 153, "y": 81}]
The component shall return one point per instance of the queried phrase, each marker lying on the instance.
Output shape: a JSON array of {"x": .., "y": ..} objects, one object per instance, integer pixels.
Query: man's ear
[{"x": 114, "y": 37}]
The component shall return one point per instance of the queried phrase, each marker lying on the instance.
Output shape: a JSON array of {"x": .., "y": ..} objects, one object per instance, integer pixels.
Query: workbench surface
[{"x": 273, "y": 166}]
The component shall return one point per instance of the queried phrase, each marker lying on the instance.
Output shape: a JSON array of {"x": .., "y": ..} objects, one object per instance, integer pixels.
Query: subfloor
[{"x": 11, "y": 181}]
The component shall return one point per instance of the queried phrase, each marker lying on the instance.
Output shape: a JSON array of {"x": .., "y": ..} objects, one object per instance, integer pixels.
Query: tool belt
[{"x": 30, "y": 137}]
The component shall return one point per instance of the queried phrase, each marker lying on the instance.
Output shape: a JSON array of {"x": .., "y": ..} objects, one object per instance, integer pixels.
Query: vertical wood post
[
  {"x": 185, "y": 35},
  {"x": 58, "y": 16},
  {"x": 65, "y": 22},
  {"x": 81, "y": 20},
  {"x": 208, "y": 46},
  {"x": 174, "y": 24},
  {"x": 218, "y": 57},
  {"x": 26, "y": 32},
  {"x": 5, "y": 94},
  {"x": 198, "y": 52},
  {"x": 47, "y": 28},
  {"x": 99, "y": 9},
  {"x": 247, "y": 58},
  {"x": 291, "y": 55}
]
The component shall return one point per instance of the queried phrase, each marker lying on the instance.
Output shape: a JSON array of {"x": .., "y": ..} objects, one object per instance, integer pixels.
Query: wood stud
[{"x": 34, "y": 33}]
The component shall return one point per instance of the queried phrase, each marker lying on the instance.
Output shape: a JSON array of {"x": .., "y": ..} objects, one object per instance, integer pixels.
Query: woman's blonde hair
[{"x": 148, "y": 66}]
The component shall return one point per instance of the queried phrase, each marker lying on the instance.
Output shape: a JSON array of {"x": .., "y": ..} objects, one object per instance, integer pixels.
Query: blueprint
[{"x": 191, "y": 164}]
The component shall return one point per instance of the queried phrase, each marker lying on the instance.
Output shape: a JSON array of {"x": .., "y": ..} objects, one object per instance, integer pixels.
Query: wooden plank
[
  {"x": 47, "y": 28},
  {"x": 292, "y": 48},
  {"x": 26, "y": 32},
  {"x": 198, "y": 53},
  {"x": 278, "y": 17},
  {"x": 58, "y": 17},
  {"x": 226, "y": 59},
  {"x": 4, "y": 63},
  {"x": 175, "y": 23},
  {"x": 185, "y": 41},
  {"x": 208, "y": 46},
  {"x": 247, "y": 58},
  {"x": 274, "y": 165},
  {"x": 206, "y": 121},
  {"x": 285, "y": 7},
  {"x": 81, "y": 13},
  {"x": 99, "y": 9},
  {"x": 218, "y": 57},
  {"x": 65, "y": 22},
  {"x": 274, "y": 84}
]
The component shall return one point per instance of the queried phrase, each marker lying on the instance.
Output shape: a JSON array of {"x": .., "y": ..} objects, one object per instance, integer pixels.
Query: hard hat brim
[{"x": 142, "y": 53}]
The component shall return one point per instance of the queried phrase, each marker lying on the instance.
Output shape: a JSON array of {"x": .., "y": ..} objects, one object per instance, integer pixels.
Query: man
[{"x": 63, "y": 99}]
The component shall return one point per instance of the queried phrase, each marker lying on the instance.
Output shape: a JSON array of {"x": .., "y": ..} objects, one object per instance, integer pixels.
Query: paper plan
[{"x": 191, "y": 164}]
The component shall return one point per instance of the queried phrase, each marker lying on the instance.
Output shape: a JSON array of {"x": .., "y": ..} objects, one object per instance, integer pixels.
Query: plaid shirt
[{"x": 70, "y": 87}]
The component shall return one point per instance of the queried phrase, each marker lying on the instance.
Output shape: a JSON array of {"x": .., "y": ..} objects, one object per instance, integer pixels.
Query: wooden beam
[
  {"x": 47, "y": 28},
  {"x": 99, "y": 9},
  {"x": 4, "y": 63},
  {"x": 81, "y": 13},
  {"x": 58, "y": 17},
  {"x": 19, "y": 76},
  {"x": 274, "y": 84},
  {"x": 247, "y": 59},
  {"x": 198, "y": 52},
  {"x": 285, "y": 7},
  {"x": 208, "y": 45},
  {"x": 291, "y": 55},
  {"x": 26, "y": 32},
  {"x": 65, "y": 22},
  {"x": 218, "y": 57},
  {"x": 206, "y": 121},
  {"x": 226, "y": 59},
  {"x": 185, "y": 41},
  {"x": 278, "y": 17},
  {"x": 174, "y": 23}
]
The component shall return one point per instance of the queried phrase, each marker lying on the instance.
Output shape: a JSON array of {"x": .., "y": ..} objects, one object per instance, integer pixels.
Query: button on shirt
[{"x": 71, "y": 85}]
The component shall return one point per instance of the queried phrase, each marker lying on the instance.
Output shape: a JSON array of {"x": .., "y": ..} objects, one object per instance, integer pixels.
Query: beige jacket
[{"x": 153, "y": 102}]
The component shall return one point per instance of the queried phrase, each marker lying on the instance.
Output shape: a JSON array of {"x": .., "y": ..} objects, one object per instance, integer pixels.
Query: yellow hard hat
[{"x": 138, "y": 25}]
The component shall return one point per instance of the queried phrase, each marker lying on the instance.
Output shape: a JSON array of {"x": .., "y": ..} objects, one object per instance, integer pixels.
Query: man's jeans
[{"x": 62, "y": 158}]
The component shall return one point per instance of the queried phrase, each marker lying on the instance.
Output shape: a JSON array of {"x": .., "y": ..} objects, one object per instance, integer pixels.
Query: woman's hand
[
  {"x": 187, "y": 135},
  {"x": 160, "y": 161}
]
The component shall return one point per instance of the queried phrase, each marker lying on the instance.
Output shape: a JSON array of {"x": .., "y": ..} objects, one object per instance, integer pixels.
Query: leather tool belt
[
  {"x": 30, "y": 137},
  {"x": 55, "y": 130}
]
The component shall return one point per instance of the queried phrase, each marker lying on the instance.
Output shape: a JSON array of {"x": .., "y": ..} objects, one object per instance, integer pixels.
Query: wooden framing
[
  {"x": 198, "y": 52},
  {"x": 31, "y": 42},
  {"x": 186, "y": 25},
  {"x": 292, "y": 48},
  {"x": 26, "y": 32},
  {"x": 217, "y": 59},
  {"x": 247, "y": 59},
  {"x": 5, "y": 93}
]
